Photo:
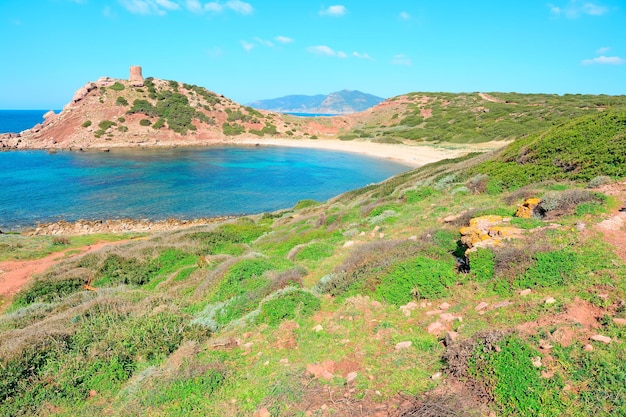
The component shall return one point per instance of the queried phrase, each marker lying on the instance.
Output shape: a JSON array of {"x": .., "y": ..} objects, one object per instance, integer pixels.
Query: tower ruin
[{"x": 136, "y": 79}]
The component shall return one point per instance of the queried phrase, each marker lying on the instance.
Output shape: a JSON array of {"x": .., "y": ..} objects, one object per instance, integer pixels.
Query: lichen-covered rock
[
  {"x": 487, "y": 231},
  {"x": 528, "y": 208}
]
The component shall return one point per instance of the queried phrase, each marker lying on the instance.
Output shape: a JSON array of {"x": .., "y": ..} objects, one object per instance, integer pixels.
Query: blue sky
[{"x": 259, "y": 49}]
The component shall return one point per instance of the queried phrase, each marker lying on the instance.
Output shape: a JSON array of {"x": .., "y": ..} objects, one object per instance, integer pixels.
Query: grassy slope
[
  {"x": 470, "y": 118},
  {"x": 226, "y": 320}
]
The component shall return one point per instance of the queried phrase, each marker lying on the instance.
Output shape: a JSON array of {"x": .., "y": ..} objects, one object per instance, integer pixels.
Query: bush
[
  {"x": 420, "y": 277},
  {"x": 551, "y": 269},
  {"x": 419, "y": 194},
  {"x": 481, "y": 264},
  {"x": 159, "y": 123},
  {"x": 117, "y": 86},
  {"x": 599, "y": 180},
  {"x": 315, "y": 252},
  {"x": 46, "y": 290},
  {"x": 286, "y": 304},
  {"x": 511, "y": 380},
  {"x": 565, "y": 201},
  {"x": 105, "y": 124},
  {"x": 86, "y": 123},
  {"x": 145, "y": 122},
  {"x": 232, "y": 130},
  {"x": 305, "y": 204},
  {"x": 121, "y": 101}
]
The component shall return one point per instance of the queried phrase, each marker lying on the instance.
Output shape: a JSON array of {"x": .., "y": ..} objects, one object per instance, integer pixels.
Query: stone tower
[{"x": 136, "y": 79}]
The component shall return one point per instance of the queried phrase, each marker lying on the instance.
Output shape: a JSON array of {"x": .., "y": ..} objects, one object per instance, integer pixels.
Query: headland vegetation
[{"x": 488, "y": 283}]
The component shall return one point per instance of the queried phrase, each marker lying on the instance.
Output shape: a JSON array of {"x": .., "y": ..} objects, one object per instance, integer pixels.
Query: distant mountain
[{"x": 340, "y": 102}]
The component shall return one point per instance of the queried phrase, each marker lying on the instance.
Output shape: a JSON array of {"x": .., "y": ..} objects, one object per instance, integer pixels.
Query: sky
[{"x": 261, "y": 49}]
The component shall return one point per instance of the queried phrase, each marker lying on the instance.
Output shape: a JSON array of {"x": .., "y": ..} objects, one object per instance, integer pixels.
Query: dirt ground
[{"x": 15, "y": 274}]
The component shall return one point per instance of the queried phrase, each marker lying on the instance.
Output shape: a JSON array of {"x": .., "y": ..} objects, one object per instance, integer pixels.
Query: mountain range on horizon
[{"x": 339, "y": 102}]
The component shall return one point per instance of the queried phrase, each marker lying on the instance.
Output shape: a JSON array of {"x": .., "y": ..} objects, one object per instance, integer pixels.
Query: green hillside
[
  {"x": 367, "y": 304},
  {"x": 475, "y": 117}
]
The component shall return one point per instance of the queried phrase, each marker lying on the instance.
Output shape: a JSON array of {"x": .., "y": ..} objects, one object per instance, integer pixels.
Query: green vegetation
[
  {"x": 171, "y": 107},
  {"x": 121, "y": 101},
  {"x": 86, "y": 123},
  {"x": 117, "y": 86},
  {"x": 369, "y": 301},
  {"x": 232, "y": 129},
  {"x": 469, "y": 118}
]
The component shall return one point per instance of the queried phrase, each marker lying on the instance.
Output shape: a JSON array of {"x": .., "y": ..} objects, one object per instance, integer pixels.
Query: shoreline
[{"x": 412, "y": 155}]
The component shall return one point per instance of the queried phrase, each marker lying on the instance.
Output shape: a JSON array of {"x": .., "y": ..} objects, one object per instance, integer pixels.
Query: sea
[
  {"x": 185, "y": 183},
  {"x": 15, "y": 121}
]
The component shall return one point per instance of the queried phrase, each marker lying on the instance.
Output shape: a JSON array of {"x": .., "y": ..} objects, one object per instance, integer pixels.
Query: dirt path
[
  {"x": 490, "y": 98},
  {"x": 15, "y": 274},
  {"x": 613, "y": 228}
]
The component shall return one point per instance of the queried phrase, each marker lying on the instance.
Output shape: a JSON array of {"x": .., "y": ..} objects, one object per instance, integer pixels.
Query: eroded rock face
[{"x": 82, "y": 92}]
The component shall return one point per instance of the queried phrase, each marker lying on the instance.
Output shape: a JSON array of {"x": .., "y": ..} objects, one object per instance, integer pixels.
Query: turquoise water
[{"x": 39, "y": 187}]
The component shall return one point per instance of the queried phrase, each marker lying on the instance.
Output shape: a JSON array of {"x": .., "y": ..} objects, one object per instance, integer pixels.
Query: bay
[{"x": 39, "y": 187}]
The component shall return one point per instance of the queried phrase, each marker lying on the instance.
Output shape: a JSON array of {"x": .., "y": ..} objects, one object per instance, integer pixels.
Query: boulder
[{"x": 528, "y": 208}]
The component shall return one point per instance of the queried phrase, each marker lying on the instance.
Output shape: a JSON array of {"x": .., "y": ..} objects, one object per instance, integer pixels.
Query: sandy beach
[{"x": 411, "y": 155}]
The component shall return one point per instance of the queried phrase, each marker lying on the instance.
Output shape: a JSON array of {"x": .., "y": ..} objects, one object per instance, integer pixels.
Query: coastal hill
[
  {"x": 340, "y": 102},
  {"x": 487, "y": 284},
  {"x": 151, "y": 112}
]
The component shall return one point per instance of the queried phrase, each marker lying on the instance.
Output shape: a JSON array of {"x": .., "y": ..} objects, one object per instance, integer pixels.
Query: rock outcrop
[{"x": 485, "y": 231}]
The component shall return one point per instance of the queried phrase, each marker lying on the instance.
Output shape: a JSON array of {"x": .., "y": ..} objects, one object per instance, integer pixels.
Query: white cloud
[
  {"x": 603, "y": 50},
  {"x": 159, "y": 7},
  {"x": 326, "y": 51},
  {"x": 247, "y": 46},
  {"x": 362, "y": 56},
  {"x": 401, "y": 59},
  {"x": 264, "y": 42},
  {"x": 214, "y": 53},
  {"x": 604, "y": 60},
  {"x": 194, "y": 6},
  {"x": 167, "y": 4},
  {"x": 574, "y": 9},
  {"x": 335, "y": 11},
  {"x": 594, "y": 9},
  {"x": 405, "y": 16},
  {"x": 236, "y": 6},
  {"x": 283, "y": 39},
  {"x": 107, "y": 12}
]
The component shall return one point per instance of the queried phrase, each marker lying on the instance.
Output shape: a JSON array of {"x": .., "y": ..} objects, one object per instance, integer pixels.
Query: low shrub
[
  {"x": 417, "y": 278},
  {"x": 145, "y": 122},
  {"x": 550, "y": 269},
  {"x": 117, "y": 86},
  {"x": 159, "y": 123},
  {"x": 478, "y": 183},
  {"x": 481, "y": 264},
  {"x": 121, "y": 101},
  {"x": 599, "y": 180},
  {"x": 86, "y": 123},
  {"x": 46, "y": 290},
  {"x": 305, "y": 204},
  {"x": 565, "y": 201},
  {"x": 105, "y": 124},
  {"x": 286, "y": 304},
  {"x": 419, "y": 194},
  {"x": 315, "y": 252},
  {"x": 512, "y": 381}
]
